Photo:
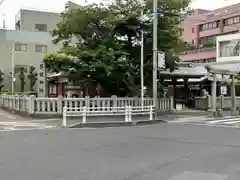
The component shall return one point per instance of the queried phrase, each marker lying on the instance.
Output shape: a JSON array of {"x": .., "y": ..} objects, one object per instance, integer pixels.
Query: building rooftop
[
  {"x": 193, "y": 70},
  {"x": 201, "y": 15}
]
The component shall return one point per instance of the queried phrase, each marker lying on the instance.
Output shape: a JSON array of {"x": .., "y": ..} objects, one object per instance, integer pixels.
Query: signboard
[
  {"x": 161, "y": 60},
  {"x": 42, "y": 81},
  {"x": 223, "y": 90}
]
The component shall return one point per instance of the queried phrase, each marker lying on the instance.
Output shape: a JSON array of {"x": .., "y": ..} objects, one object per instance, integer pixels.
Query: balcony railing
[{"x": 203, "y": 49}]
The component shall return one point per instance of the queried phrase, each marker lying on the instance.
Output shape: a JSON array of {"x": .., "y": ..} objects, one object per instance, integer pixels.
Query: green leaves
[
  {"x": 32, "y": 76},
  {"x": 1, "y": 80},
  {"x": 101, "y": 45},
  {"x": 21, "y": 77}
]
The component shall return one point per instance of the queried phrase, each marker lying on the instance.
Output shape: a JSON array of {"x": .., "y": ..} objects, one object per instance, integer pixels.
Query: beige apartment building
[{"x": 31, "y": 40}]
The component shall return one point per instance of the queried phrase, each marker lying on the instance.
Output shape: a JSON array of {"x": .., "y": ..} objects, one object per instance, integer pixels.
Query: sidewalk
[
  {"x": 189, "y": 115},
  {"x": 185, "y": 115}
]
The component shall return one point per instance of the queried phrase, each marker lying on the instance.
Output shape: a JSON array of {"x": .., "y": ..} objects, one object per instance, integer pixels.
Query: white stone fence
[
  {"x": 222, "y": 102},
  {"x": 54, "y": 106}
]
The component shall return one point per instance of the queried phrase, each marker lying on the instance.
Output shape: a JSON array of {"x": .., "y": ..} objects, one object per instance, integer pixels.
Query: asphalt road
[{"x": 154, "y": 152}]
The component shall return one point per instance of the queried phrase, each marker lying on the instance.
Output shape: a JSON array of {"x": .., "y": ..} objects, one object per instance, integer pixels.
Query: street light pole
[
  {"x": 13, "y": 67},
  {"x": 155, "y": 52},
  {"x": 142, "y": 64}
]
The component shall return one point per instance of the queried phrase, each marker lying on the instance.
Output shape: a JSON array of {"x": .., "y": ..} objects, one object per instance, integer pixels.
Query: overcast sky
[{"x": 9, "y": 8}]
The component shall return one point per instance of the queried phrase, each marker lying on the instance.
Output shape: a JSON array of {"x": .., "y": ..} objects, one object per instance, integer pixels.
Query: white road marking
[
  {"x": 43, "y": 120},
  {"x": 223, "y": 120},
  {"x": 23, "y": 129},
  {"x": 213, "y": 125},
  {"x": 19, "y": 124},
  {"x": 9, "y": 128},
  {"x": 232, "y": 122}
]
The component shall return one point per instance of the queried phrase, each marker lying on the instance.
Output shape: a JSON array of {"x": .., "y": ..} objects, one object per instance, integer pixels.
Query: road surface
[{"x": 153, "y": 152}]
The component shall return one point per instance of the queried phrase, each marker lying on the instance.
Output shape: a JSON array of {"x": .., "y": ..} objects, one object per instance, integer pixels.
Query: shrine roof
[{"x": 193, "y": 70}]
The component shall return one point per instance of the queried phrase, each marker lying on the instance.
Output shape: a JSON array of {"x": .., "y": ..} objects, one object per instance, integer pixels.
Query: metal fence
[{"x": 125, "y": 113}]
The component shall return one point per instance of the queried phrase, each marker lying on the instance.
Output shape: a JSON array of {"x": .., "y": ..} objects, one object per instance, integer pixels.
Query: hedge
[{"x": 20, "y": 93}]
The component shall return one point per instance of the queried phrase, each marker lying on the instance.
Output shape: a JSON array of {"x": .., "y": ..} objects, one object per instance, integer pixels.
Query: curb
[{"x": 115, "y": 124}]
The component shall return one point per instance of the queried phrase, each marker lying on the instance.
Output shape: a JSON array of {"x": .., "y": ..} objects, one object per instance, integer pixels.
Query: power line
[{"x": 1, "y": 2}]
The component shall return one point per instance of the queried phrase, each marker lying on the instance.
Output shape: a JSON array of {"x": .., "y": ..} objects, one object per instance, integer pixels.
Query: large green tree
[
  {"x": 1, "y": 80},
  {"x": 22, "y": 77},
  {"x": 94, "y": 54},
  {"x": 101, "y": 44},
  {"x": 170, "y": 15},
  {"x": 32, "y": 76}
]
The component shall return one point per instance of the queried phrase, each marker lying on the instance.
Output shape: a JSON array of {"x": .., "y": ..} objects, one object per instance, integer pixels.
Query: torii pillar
[
  {"x": 214, "y": 73},
  {"x": 233, "y": 96},
  {"x": 214, "y": 94}
]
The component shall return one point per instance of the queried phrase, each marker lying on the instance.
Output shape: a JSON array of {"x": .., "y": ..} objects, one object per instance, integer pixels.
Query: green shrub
[
  {"x": 209, "y": 44},
  {"x": 20, "y": 93}
]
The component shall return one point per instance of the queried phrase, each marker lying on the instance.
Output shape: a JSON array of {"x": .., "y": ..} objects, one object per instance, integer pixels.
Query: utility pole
[
  {"x": 13, "y": 67},
  {"x": 155, "y": 53},
  {"x": 142, "y": 64}
]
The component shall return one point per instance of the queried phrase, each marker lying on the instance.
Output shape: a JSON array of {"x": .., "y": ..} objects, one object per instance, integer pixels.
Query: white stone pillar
[
  {"x": 233, "y": 95},
  {"x": 214, "y": 93}
]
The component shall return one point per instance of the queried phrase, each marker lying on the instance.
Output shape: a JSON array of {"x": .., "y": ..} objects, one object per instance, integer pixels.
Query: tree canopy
[{"x": 101, "y": 44}]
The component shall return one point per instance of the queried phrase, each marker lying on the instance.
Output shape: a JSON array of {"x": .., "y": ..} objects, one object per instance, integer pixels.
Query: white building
[
  {"x": 228, "y": 48},
  {"x": 31, "y": 40}
]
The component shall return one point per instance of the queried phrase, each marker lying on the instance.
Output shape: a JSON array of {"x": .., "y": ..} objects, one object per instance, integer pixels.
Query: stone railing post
[
  {"x": 31, "y": 104},
  {"x": 60, "y": 104},
  {"x": 222, "y": 102},
  {"x": 209, "y": 104},
  {"x": 87, "y": 101},
  {"x": 171, "y": 103},
  {"x": 10, "y": 101},
  {"x": 114, "y": 100},
  {"x": 136, "y": 102}
]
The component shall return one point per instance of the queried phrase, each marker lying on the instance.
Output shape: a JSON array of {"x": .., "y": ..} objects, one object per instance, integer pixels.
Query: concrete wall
[
  {"x": 226, "y": 41},
  {"x": 27, "y": 34},
  {"x": 24, "y": 58},
  {"x": 28, "y": 19},
  {"x": 71, "y": 5}
]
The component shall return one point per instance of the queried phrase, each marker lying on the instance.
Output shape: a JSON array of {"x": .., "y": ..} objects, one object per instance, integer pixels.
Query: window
[
  {"x": 193, "y": 41},
  {"x": 40, "y": 48},
  {"x": 41, "y": 74},
  {"x": 209, "y": 16},
  {"x": 211, "y": 25},
  {"x": 192, "y": 30},
  {"x": 214, "y": 25},
  {"x": 41, "y": 27},
  {"x": 236, "y": 20},
  {"x": 20, "y": 47},
  {"x": 41, "y": 82},
  {"x": 207, "y": 39},
  {"x": 232, "y": 20}
]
